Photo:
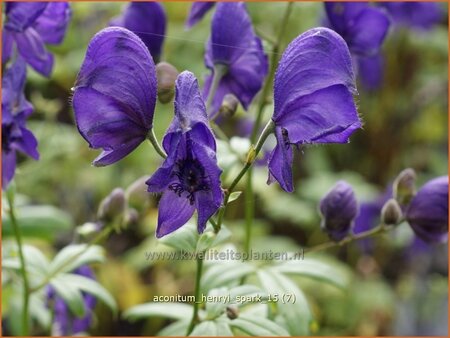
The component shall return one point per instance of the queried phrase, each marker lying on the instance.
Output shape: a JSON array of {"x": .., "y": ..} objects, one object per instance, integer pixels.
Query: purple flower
[
  {"x": 313, "y": 100},
  {"x": 189, "y": 178},
  {"x": 362, "y": 26},
  {"x": 64, "y": 322},
  {"x": 29, "y": 26},
  {"x": 422, "y": 15},
  {"x": 339, "y": 208},
  {"x": 198, "y": 11},
  {"x": 115, "y": 94},
  {"x": 235, "y": 47},
  {"x": 15, "y": 110},
  {"x": 370, "y": 70},
  {"x": 427, "y": 213},
  {"x": 148, "y": 21}
]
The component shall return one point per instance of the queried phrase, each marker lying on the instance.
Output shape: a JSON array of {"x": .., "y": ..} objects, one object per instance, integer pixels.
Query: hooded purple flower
[
  {"x": 313, "y": 100},
  {"x": 115, "y": 94},
  {"x": 339, "y": 209},
  {"x": 15, "y": 110},
  {"x": 234, "y": 46},
  {"x": 427, "y": 214},
  {"x": 198, "y": 11},
  {"x": 29, "y": 26},
  {"x": 189, "y": 178},
  {"x": 65, "y": 323},
  {"x": 148, "y": 21},
  {"x": 362, "y": 26},
  {"x": 422, "y": 15}
]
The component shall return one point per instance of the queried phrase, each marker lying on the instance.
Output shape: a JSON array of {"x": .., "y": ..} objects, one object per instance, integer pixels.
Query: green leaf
[
  {"x": 75, "y": 255},
  {"x": 43, "y": 221},
  {"x": 178, "y": 328},
  {"x": 297, "y": 315},
  {"x": 210, "y": 239},
  {"x": 185, "y": 238},
  {"x": 334, "y": 274},
  {"x": 70, "y": 294},
  {"x": 206, "y": 328},
  {"x": 89, "y": 286},
  {"x": 258, "y": 326},
  {"x": 166, "y": 310},
  {"x": 39, "y": 311},
  {"x": 234, "y": 196},
  {"x": 224, "y": 274}
]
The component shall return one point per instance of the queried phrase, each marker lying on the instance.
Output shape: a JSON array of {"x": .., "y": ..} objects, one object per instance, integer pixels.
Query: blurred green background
[{"x": 396, "y": 288}]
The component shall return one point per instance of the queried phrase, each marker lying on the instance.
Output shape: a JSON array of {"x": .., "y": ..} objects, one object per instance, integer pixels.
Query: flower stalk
[
  {"x": 154, "y": 141},
  {"x": 195, "y": 318},
  {"x": 23, "y": 272}
]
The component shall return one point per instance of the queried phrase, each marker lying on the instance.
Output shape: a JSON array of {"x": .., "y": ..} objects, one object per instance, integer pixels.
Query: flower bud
[
  {"x": 405, "y": 186},
  {"x": 339, "y": 208},
  {"x": 427, "y": 213},
  {"x": 229, "y": 105},
  {"x": 137, "y": 194},
  {"x": 232, "y": 312},
  {"x": 167, "y": 75},
  {"x": 112, "y": 208},
  {"x": 391, "y": 213}
]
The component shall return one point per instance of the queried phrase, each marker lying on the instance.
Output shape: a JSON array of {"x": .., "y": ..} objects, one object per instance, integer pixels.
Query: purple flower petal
[
  {"x": 148, "y": 21},
  {"x": 233, "y": 44},
  {"x": 422, "y": 15},
  {"x": 371, "y": 71},
  {"x": 8, "y": 167},
  {"x": 174, "y": 212},
  {"x": 7, "y": 44},
  {"x": 428, "y": 211},
  {"x": 53, "y": 22},
  {"x": 326, "y": 116},
  {"x": 32, "y": 49},
  {"x": 280, "y": 162},
  {"x": 362, "y": 26},
  {"x": 115, "y": 93},
  {"x": 197, "y": 12},
  {"x": 21, "y": 15},
  {"x": 313, "y": 100}
]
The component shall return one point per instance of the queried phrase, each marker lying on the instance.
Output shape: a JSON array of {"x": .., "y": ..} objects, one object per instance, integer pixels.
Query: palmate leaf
[
  {"x": 258, "y": 326},
  {"x": 75, "y": 255},
  {"x": 211, "y": 328},
  {"x": 70, "y": 294},
  {"x": 225, "y": 274}
]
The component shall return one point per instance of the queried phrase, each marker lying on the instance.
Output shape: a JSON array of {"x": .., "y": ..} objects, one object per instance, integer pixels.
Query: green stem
[
  {"x": 249, "y": 196},
  {"x": 26, "y": 285},
  {"x": 252, "y": 154},
  {"x": 350, "y": 238},
  {"x": 195, "y": 318},
  {"x": 105, "y": 232},
  {"x": 154, "y": 141}
]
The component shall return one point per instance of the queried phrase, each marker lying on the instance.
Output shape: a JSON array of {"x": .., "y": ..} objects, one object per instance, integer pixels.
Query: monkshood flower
[
  {"x": 148, "y": 21},
  {"x": 339, "y": 209},
  {"x": 422, "y": 15},
  {"x": 15, "y": 110},
  {"x": 115, "y": 94},
  {"x": 235, "y": 51},
  {"x": 198, "y": 11},
  {"x": 313, "y": 100},
  {"x": 362, "y": 26},
  {"x": 29, "y": 26},
  {"x": 189, "y": 178},
  {"x": 427, "y": 213},
  {"x": 64, "y": 322}
]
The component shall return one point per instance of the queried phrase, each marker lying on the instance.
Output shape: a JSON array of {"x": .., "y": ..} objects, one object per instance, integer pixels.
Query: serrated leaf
[
  {"x": 71, "y": 296},
  {"x": 258, "y": 326},
  {"x": 38, "y": 221},
  {"x": 75, "y": 255},
  {"x": 166, "y": 310},
  {"x": 297, "y": 315},
  {"x": 90, "y": 286},
  {"x": 316, "y": 269}
]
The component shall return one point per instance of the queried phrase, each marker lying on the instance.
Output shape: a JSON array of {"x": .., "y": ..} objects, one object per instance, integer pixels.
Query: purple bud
[
  {"x": 428, "y": 212},
  {"x": 339, "y": 208}
]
